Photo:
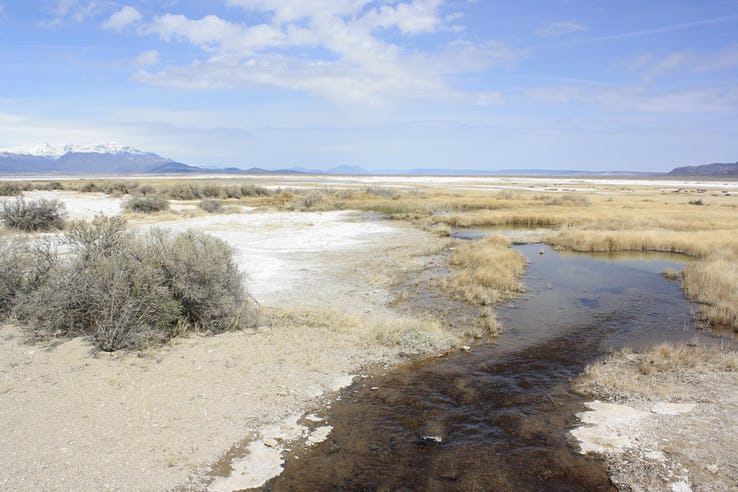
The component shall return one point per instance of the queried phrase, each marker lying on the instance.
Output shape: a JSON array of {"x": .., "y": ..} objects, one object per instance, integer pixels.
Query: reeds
[{"x": 486, "y": 271}]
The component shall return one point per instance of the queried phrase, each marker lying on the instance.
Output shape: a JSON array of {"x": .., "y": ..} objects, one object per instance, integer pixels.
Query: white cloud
[
  {"x": 354, "y": 62},
  {"x": 148, "y": 58},
  {"x": 75, "y": 11},
  {"x": 122, "y": 19},
  {"x": 559, "y": 28}
]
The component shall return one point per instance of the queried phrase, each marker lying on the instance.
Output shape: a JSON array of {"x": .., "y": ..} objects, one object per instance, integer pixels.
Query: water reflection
[{"x": 497, "y": 418}]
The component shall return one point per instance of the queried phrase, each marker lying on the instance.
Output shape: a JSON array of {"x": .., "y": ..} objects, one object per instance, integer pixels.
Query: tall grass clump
[
  {"x": 486, "y": 271},
  {"x": 32, "y": 216},
  {"x": 713, "y": 282},
  {"x": 129, "y": 291},
  {"x": 146, "y": 204}
]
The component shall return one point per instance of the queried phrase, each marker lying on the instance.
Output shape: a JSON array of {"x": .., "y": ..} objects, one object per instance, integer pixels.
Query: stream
[{"x": 497, "y": 417}]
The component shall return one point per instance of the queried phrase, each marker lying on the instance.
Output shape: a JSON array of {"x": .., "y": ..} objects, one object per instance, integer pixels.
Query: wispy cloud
[
  {"x": 123, "y": 18},
  {"x": 664, "y": 29},
  {"x": 652, "y": 66},
  {"x": 713, "y": 99},
  {"x": 349, "y": 59},
  {"x": 559, "y": 28},
  {"x": 75, "y": 11}
]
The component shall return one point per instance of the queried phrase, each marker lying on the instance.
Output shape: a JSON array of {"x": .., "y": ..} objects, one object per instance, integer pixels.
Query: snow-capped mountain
[{"x": 108, "y": 158}]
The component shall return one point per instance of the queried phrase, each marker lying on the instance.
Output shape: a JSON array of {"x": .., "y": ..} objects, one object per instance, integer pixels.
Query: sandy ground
[
  {"x": 73, "y": 419},
  {"x": 663, "y": 430}
]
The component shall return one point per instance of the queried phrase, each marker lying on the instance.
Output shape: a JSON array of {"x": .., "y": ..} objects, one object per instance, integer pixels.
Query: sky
[{"x": 384, "y": 85}]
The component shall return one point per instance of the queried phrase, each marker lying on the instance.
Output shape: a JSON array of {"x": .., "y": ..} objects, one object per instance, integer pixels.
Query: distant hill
[
  {"x": 716, "y": 169},
  {"x": 104, "y": 159}
]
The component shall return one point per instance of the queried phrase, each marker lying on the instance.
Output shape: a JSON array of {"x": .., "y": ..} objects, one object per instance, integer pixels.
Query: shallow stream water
[{"x": 497, "y": 417}]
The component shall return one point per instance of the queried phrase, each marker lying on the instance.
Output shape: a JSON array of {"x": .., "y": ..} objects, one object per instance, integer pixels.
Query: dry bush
[
  {"x": 130, "y": 291},
  {"x": 31, "y": 216},
  {"x": 314, "y": 200},
  {"x": 211, "y": 190},
  {"x": 10, "y": 188},
  {"x": 486, "y": 271},
  {"x": 23, "y": 266},
  {"x": 233, "y": 192},
  {"x": 146, "y": 204},
  {"x": 252, "y": 190},
  {"x": 183, "y": 191},
  {"x": 211, "y": 206}
]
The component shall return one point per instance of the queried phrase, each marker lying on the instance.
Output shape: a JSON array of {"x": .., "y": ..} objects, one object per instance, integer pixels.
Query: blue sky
[{"x": 389, "y": 84}]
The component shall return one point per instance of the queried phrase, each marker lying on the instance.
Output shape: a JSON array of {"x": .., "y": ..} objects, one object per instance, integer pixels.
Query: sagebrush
[{"x": 127, "y": 290}]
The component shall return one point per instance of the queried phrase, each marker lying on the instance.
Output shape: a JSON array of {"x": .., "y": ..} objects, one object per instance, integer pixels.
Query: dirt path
[{"x": 77, "y": 420}]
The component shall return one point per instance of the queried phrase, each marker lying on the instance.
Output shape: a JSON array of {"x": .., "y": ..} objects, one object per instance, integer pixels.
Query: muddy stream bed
[{"x": 497, "y": 417}]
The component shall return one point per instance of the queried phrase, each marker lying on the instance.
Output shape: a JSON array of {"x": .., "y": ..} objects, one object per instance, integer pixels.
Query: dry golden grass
[
  {"x": 600, "y": 217},
  {"x": 628, "y": 373},
  {"x": 486, "y": 271},
  {"x": 406, "y": 335},
  {"x": 713, "y": 282}
]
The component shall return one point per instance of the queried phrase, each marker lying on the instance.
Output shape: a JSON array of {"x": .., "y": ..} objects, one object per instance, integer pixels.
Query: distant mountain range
[
  {"x": 105, "y": 159},
  {"x": 115, "y": 159},
  {"x": 716, "y": 169}
]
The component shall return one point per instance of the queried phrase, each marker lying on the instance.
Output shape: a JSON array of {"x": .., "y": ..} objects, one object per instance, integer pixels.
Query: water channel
[{"x": 497, "y": 417}]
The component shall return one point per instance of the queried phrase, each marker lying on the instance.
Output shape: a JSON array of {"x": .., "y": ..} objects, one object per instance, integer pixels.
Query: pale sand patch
[
  {"x": 74, "y": 420},
  {"x": 607, "y": 427},
  {"x": 81, "y": 206},
  {"x": 682, "y": 435}
]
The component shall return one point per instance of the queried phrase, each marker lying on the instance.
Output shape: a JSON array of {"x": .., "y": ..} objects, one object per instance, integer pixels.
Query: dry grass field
[{"x": 327, "y": 278}]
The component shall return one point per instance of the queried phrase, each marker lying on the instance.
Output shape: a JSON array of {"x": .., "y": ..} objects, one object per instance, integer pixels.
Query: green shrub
[
  {"x": 211, "y": 206},
  {"x": 38, "y": 215},
  {"x": 146, "y": 204},
  {"x": 131, "y": 291}
]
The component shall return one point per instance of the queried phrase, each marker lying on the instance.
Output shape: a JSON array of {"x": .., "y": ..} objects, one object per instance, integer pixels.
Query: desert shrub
[
  {"x": 211, "y": 206},
  {"x": 23, "y": 266},
  {"x": 203, "y": 276},
  {"x": 314, "y": 200},
  {"x": 184, "y": 191},
  {"x": 232, "y": 191},
  {"x": 120, "y": 188},
  {"x": 212, "y": 191},
  {"x": 253, "y": 190},
  {"x": 38, "y": 215},
  {"x": 697, "y": 202},
  {"x": 89, "y": 187},
  {"x": 383, "y": 191},
  {"x": 146, "y": 204},
  {"x": 130, "y": 291},
  {"x": 10, "y": 188}
]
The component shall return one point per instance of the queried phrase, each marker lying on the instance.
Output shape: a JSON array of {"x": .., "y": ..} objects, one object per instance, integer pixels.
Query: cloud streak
[{"x": 350, "y": 57}]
